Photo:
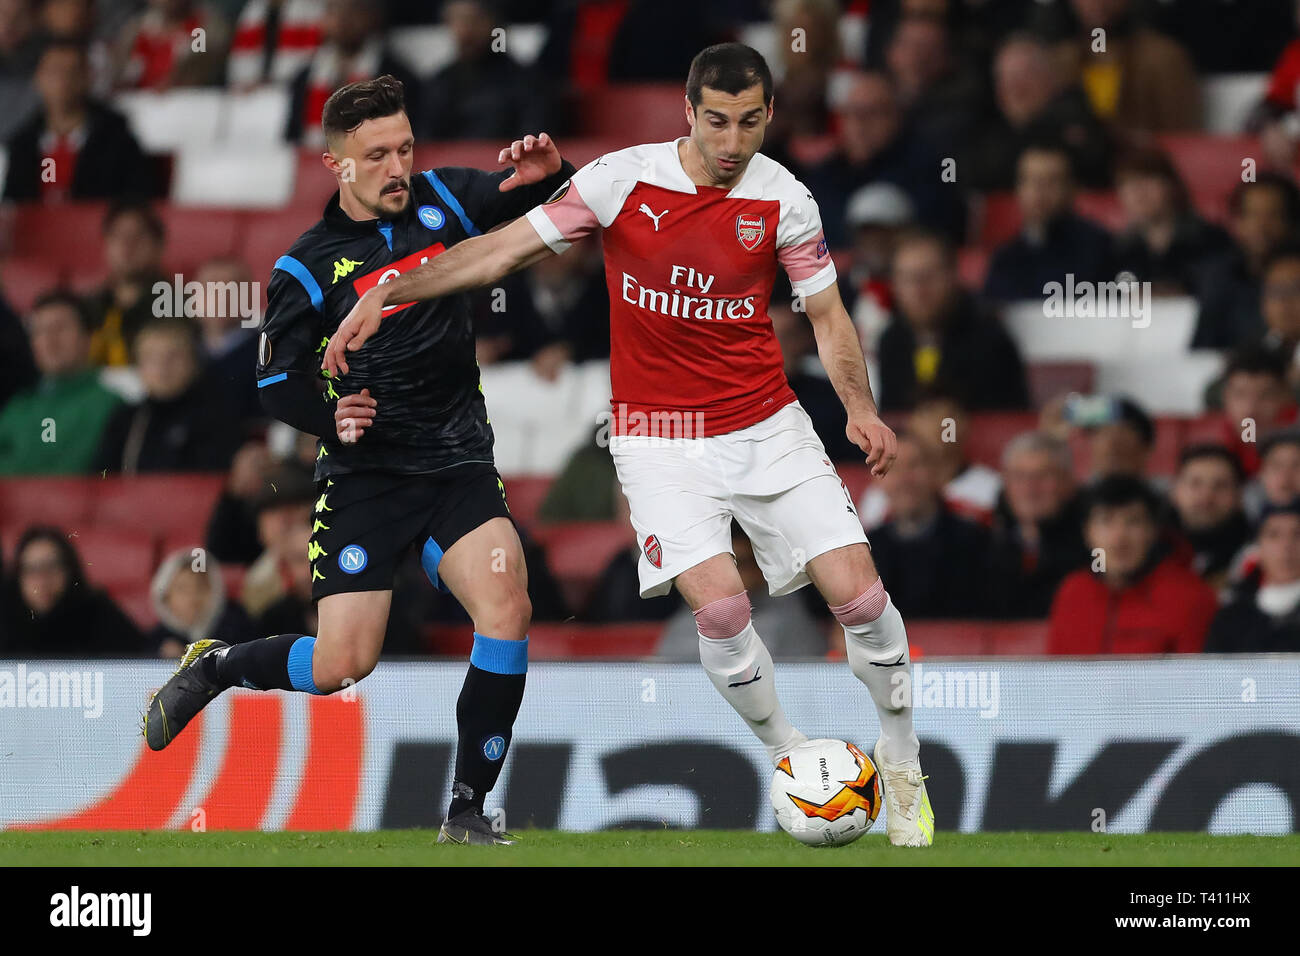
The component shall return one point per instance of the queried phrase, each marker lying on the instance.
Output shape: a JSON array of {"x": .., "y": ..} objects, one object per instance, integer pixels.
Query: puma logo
[
  {"x": 756, "y": 676},
  {"x": 646, "y": 209}
]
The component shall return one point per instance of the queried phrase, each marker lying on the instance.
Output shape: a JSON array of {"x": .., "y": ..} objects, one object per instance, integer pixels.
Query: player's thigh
[
  {"x": 793, "y": 530},
  {"x": 349, "y": 636},
  {"x": 711, "y": 580},
  {"x": 679, "y": 508},
  {"x": 842, "y": 574},
  {"x": 485, "y": 571}
]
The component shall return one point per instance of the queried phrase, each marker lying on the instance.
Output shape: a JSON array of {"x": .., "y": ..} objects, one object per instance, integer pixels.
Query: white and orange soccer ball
[{"x": 826, "y": 793}]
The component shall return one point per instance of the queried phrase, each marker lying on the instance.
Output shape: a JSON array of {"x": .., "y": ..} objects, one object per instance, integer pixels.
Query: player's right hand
[
  {"x": 361, "y": 323},
  {"x": 353, "y": 415}
]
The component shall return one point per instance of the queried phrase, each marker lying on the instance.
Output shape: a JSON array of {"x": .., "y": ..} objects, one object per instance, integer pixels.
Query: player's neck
[
  {"x": 353, "y": 209},
  {"x": 693, "y": 165}
]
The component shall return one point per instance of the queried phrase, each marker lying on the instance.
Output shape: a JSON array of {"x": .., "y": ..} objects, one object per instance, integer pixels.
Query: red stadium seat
[
  {"x": 1018, "y": 638},
  {"x": 24, "y": 280},
  {"x": 855, "y": 476},
  {"x": 63, "y": 502},
  {"x": 525, "y": 493},
  {"x": 1047, "y": 380},
  {"x": 195, "y": 235},
  {"x": 1211, "y": 166},
  {"x": 947, "y": 638},
  {"x": 48, "y": 233},
  {"x": 137, "y": 603},
  {"x": 114, "y": 557},
  {"x": 1000, "y": 217},
  {"x": 972, "y": 266},
  {"x": 577, "y": 552},
  {"x": 635, "y": 112},
  {"x": 165, "y": 504},
  {"x": 990, "y": 431}
]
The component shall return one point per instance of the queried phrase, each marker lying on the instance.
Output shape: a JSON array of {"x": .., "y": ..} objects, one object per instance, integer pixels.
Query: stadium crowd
[{"x": 911, "y": 121}]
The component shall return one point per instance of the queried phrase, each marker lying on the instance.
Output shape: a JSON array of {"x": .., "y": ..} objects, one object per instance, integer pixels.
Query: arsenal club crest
[
  {"x": 750, "y": 230},
  {"x": 654, "y": 554}
]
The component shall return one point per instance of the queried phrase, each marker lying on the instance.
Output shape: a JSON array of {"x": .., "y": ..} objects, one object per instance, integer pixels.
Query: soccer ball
[{"x": 826, "y": 793}]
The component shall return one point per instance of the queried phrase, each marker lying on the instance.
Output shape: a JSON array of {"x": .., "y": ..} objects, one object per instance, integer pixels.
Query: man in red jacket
[{"x": 1134, "y": 599}]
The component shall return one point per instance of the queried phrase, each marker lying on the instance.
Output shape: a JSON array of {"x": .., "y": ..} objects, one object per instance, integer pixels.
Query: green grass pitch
[{"x": 635, "y": 848}]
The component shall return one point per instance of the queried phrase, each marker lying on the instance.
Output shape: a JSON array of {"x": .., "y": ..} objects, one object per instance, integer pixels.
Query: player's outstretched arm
[
  {"x": 841, "y": 354},
  {"x": 467, "y": 265}
]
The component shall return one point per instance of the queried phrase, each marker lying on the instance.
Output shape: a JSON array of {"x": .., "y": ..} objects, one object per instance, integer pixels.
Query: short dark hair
[
  {"x": 1288, "y": 251},
  {"x": 1256, "y": 360},
  {"x": 350, "y": 106},
  {"x": 135, "y": 207},
  {"x": 1278, "y": 438},
  {"x": 67, "y": 299},
  {"x": 1120, "y": 491},
  {"x": 730, "y": 68},
  {"x": 1155, "y": 162},
  {"x": 185, "y": 329},
  {"x": 1203, "y": 450},
  {"x": 1269, "y": 179},
  {"x": 1045, "y": 143}
]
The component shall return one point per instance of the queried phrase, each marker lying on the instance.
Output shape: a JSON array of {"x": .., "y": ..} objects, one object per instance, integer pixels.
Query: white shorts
[{"x": 774, "y": 478}]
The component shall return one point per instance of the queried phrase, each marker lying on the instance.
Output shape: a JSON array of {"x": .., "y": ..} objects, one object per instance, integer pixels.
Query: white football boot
[{"x": 908, "y": 816}]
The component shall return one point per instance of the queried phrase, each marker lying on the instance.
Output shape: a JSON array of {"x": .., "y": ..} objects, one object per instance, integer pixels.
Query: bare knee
[
  {"x": 507, "y": 618},
  {"x": 334, "y": 668}
]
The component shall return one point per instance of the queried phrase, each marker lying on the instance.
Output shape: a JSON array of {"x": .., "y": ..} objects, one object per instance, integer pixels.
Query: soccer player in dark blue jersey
[{"x": 405, "y": 452}]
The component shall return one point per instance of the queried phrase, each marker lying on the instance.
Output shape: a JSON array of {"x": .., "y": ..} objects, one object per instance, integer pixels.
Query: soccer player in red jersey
[{"x": 705, "y": 426}]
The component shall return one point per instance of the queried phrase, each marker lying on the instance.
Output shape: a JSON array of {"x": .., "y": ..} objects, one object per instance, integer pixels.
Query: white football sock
[
  {"x": 877, "y": 652},
  {"x": 741, "y": 669}
]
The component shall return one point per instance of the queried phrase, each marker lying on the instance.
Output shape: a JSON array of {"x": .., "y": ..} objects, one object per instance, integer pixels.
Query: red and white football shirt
[{"x": 690, "y": 272}]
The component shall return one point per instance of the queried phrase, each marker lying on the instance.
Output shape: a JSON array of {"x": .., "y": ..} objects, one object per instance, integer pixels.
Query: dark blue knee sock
[
  {"x": 485, "y": 714},
  {"x": 282, "y": 662}
]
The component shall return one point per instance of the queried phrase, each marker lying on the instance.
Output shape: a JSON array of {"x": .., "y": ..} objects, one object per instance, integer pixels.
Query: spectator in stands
[
  {"x": 1263, "y": 615},
  {"x": 1121, "y": 435},
  {"x": 552, "y": 314},
  {"x": 1262, "y": 215},
  {"x": 940, "y": 100},
  {"x": 352, "y": 48},
  {"x": 1134, "y": 599},
  {"x": 617, "y": 594},
  {"x": 872, "y": 146},
  {"x": 807, "y": 378},
  {"x": 277, "y": 588},
  {"x": 789, "y": 629},
  {"x": 586, "y": 489},
  {"x": 229, "y": 339},
  {"x": 1164, "y": 241},
  {"x": 1277, "y": 118},
  {"x": 1278, "y": 480},
  {"x": 273, "y": 41},
  {"x": 17, "y": 367},
  {"x": 134, "y": 238},
  {"x": 969, "y": 489},
  {"x": 80, "y": 20},
  {"x": 932, "y": 560},
  {"x": 1141, "y": 80},
  {"x": 73, "y": 146},
  {"x": 232, "y": 535},
  {"x": 173, "y": 43},
  {"x": 1279, "y": 296},
  {"x": 940, "y": 339},
  {"x": 1054, "y": 240},
  {"x": 55, "y": 427},
  {"x": 876, "y": 216},
  {"x": 1255, "y": 400},
  {"x": 1034, "y": 105},
  {"x": 483, "y": 93},
  {"x": 50, "y": 610},
  {"x": 20, "y": 45},
  {"x": 181, "y": 424},
  {"x": 189, "y": 598},
  {"x": 804, "y": 70},
  {"x": 1207, "y": 504},
  {"x": 1036, "y": 537}
]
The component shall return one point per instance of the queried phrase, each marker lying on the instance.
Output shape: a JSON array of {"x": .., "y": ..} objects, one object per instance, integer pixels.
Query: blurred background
[{"x": 966, "y": 155}]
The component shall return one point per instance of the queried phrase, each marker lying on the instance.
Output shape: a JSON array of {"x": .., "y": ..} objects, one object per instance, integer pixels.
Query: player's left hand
[
  {"x": 534, "y": 158},
  {"x": 875, "y": 438}
]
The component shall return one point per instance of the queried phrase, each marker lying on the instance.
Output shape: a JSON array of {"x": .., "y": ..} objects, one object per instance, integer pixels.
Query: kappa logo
[
  {"x": 646, "y": 209},
  {"x": 344, "y": 267},
  {"x": 653, "y": 553},
  {"x": 750, "y": 230}
]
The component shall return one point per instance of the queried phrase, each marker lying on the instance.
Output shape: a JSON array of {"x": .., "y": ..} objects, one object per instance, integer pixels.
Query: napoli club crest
[
  {"x": 654, "y": 554},
  {"x": 750, "y": 230}
]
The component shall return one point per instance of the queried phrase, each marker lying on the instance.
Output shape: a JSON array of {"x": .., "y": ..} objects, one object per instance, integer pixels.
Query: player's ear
[{"x": 690, "y": 111}]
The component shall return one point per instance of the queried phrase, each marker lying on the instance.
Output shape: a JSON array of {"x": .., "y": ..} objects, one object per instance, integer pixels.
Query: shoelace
[{"x": 912, "y": 779}]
